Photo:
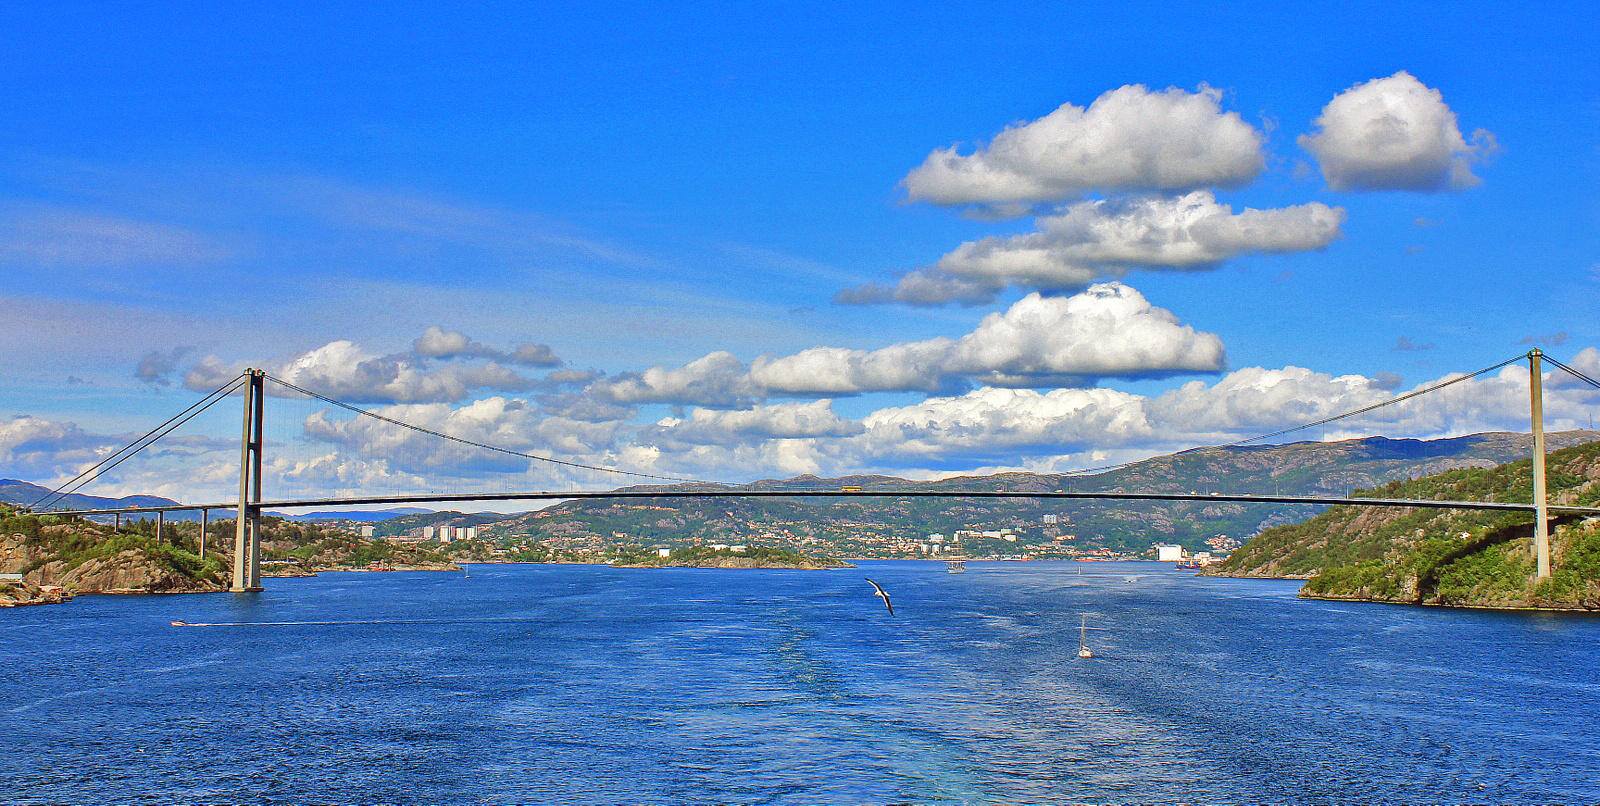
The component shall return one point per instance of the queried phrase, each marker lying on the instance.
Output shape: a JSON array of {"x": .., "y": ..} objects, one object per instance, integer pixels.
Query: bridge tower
[
  {"x": 1541, "y": 523},
  {"x": 247, "y": 528}
]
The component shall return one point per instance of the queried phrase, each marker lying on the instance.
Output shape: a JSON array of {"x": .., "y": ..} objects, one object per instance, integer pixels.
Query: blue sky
[{"x": 186, "y": 190}]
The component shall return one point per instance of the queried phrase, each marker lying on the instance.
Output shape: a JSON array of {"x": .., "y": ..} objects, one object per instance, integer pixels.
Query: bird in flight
[{"x": 883, "y": 593}]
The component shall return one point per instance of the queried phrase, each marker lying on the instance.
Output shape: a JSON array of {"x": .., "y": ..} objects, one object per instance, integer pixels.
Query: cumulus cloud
[
  {"x": 436, "y": 342},
  {"x": 1129, "y": 139},
  {"x": 1394, "y": 133},
  {"x": 510, "y": 423},
  {"x": 343, "y": 370},
  {"x": 815, "y": 419},
  {"x": 1109, "y": 330},
  {"x": 1093, "y": 240},
  {"x": 718, "y": 379},
  {"x": 38, "y": 448}
]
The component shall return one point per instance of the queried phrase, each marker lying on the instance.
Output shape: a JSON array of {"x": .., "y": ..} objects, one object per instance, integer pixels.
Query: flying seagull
[{"x": 883, "y": 593}]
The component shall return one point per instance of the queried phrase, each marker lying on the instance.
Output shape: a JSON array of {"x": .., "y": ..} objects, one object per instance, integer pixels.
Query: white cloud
[
  {"x": 34, "y": 448},
  {"x": 1109, "y": 330},
  {"x": 1129, "y": 139},
  {"x": 343, "y": 370},
  {"x": 1394, "y": 133},
  {"x": 436, "y": 342},
  {"x": 782, "y": 421},
  {"x": 1095, "y": 240},
  {"x": 718, "y": 379},
  {"x": 511, "y": 423},
  {"x": 1011, "y": 423}
]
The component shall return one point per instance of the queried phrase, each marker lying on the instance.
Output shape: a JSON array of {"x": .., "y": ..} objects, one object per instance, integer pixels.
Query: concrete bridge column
[
  {"x": 247, "y": 528},
  {"x": 1541, "y": 522}
]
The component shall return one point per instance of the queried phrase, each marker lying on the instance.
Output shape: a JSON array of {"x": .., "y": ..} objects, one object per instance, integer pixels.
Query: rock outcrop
[
  {"x": 130, "y": 571},
  {"x": 18, "y": 594}
]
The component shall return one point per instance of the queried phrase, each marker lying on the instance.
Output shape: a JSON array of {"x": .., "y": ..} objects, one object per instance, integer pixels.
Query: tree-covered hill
[{"x": 1478, "y": 558}]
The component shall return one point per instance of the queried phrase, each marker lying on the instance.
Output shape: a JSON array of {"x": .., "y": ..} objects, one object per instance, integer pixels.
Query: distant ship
[{"x": 955, "y": 566}]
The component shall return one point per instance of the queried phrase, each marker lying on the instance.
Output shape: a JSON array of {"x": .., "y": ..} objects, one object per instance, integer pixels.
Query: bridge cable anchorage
[
  {"x": 419, "y": 429},
  {"x": 1323, "y": 421},
  {"x": 124, "y": 453}
]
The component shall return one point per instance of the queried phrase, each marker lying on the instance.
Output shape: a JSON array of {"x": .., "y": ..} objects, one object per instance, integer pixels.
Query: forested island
[{"x": 1460, "y": 558}]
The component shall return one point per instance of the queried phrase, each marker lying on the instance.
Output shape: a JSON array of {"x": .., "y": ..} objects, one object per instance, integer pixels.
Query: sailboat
[{"x": 1083, "y": 646}]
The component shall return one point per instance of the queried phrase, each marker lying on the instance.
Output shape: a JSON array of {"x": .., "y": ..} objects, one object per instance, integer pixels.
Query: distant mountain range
[
  {"x": 23, "y": 494},
  {"x": 860, "y": 526}
]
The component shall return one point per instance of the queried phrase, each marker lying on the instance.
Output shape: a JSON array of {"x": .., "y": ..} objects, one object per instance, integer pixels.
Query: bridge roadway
[{"x": 439, "y": 498}]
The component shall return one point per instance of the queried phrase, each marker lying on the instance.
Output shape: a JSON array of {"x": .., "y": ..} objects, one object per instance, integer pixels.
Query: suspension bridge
[{"x": 249, "y": 504}]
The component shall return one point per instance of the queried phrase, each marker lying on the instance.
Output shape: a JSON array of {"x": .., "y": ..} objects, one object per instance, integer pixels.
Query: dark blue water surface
[{"x": 586, "y": 684}]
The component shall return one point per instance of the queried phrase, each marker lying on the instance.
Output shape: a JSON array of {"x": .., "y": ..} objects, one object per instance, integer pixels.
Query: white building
[
  {"x": 1051, "y": 520},
  {"x": 1168, "y": 554},
  {"x": 368, "y": 531},
  {"x": 427, "y": 533}
]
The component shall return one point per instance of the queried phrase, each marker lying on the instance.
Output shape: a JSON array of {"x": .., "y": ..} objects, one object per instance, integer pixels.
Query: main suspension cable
[
  {"x": 1575, "y": 373},
  {"x": 127, "y": 451},
  {"x": 1402, "y": 398}
]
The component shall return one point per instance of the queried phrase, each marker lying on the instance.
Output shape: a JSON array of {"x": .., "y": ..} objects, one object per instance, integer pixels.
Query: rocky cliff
[{"x": 82, "y": 557}]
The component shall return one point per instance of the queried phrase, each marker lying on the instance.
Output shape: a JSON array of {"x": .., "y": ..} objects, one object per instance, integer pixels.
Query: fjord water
[{"x": 593, "y": 685}]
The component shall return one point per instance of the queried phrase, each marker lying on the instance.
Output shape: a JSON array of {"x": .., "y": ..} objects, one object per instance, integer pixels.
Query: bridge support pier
[
  {"x": 247, "y": 528},
  {"x": 205, "y": 523},
  {"x": 1541, "y": 515}
]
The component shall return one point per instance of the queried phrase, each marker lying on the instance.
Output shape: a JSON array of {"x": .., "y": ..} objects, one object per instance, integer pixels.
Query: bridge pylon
[
  {"x": 1541, "y": 515},
  {"x": 247, "y": 528}
]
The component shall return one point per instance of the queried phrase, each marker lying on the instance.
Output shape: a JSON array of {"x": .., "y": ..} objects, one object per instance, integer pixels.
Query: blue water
[{"x": 592, "y": 685}]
